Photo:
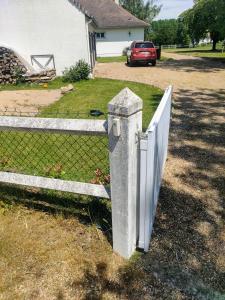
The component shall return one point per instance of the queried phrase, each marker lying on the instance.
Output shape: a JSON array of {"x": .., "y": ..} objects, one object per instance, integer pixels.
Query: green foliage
[
  {"x": 183, "y": 37},
  {"x": 144, "y": 10},
  {"x": 80, "y": 71},
  {"x": 164, "y": 32},
  {"x": 18, "y": 75},
  {"x": 206, "y": 17},
  {"x": 169, "y": 32}
]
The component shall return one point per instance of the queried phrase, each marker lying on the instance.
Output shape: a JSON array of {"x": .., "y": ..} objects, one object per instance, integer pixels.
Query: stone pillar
[{"x": 125, "y": 123}]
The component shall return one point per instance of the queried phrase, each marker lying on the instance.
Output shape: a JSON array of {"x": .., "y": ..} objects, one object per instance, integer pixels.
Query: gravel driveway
[{"x": 187, "y": 256}]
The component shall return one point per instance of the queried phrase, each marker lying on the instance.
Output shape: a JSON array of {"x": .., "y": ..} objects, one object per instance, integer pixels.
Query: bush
[
  {"x": 18, "y": 74},
  {"x": 80, "y": 71}
]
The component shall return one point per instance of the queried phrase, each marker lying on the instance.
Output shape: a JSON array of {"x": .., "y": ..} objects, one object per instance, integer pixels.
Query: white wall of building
[
  {"x": 34, "y": 27},
  {"x": 116, "y": 40}
]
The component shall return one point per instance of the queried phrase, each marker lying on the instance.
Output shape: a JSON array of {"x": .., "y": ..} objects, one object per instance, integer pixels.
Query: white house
[
  {"x": 60, "y": 32},
  {"x": 115, "y": 27}
]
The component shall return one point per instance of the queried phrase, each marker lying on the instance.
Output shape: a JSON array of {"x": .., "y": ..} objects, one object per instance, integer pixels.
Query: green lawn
[
  {"x": 200, "y": 51},
  {"x": 119, "y": 59},
  {"x": 122, "y": 58},
  {"x": 66, "y": 156}
]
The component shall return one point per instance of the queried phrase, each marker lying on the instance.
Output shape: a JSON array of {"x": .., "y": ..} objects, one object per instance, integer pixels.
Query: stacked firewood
[
  {"x": 10, "y": 66},
  {"x": 13, "y": 71}
]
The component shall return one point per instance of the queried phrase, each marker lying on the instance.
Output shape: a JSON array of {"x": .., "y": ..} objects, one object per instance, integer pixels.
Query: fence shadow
[{"x": 88, "y": 210}]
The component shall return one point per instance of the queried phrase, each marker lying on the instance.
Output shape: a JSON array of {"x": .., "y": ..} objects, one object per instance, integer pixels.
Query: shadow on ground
[
  {"x": 88, "y": 210},
  {"x": 196, "y": 64}
]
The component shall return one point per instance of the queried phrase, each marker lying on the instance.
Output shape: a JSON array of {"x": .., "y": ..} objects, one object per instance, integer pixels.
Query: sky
[{"x": 173, "y": 8}]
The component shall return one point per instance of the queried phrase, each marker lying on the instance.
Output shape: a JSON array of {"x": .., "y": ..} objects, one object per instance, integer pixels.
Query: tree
[
  {"x": 182, "y": 33},
  {"x": 206, "y": 16},
  {"x": 168, "y": 32},
  {"x": 143, "y": 10},
  {"x": 163, "y": 32}
]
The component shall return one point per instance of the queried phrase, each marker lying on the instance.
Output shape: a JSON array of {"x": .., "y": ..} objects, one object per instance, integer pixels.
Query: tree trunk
[{"x": 214, "y": 45}]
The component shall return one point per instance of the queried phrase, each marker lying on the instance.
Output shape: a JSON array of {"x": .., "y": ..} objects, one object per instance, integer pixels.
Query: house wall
[
  {"x": 116, "y": 40},
  {"x": 34, "y": 27}
]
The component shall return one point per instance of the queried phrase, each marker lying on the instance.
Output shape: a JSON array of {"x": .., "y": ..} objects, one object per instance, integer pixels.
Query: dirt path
[
  {"x": 27, "y": 100},
  {"x": 187, "y": 256}
]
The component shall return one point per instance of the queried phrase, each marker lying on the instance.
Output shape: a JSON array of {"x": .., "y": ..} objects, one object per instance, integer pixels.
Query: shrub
[
  {"x": 19, "y": 75},
  {"x": 80, "y": 71}
]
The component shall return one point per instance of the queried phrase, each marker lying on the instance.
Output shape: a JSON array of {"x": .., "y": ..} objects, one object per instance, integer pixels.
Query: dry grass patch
[{"x": 46, "y": 257}]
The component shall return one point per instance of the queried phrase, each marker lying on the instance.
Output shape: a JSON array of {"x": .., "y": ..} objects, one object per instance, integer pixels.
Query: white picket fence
[{"x": 153, "y": 153}]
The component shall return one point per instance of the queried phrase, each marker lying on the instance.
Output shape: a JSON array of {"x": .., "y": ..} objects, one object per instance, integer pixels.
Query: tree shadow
[{"x": 197, "y": 64}]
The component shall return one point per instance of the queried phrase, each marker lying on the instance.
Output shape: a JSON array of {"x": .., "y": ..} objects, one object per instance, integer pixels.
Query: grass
[
  {"x": 200, "y": 51},
  {"x": 54, "y": 84},
  {"x": 120, "y": 59},
  {"x": 96, "y": 94},
  {"x": 67, "y": 156}
]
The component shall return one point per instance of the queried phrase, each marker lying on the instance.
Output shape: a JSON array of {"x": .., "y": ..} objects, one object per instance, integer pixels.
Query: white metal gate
[{"x": 153, "y": 153}]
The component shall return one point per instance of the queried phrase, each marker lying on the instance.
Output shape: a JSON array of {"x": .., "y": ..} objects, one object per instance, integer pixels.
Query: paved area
[
  {"x": 27, "y": 100},
  {"x": 187, "y": 253}
]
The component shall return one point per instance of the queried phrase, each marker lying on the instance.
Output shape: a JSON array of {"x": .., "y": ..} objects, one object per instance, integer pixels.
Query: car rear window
[{"x": 144, "y": 45}]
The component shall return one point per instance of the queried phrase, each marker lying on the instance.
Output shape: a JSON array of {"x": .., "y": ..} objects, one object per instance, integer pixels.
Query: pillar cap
[{"x": 125, "y": 104}]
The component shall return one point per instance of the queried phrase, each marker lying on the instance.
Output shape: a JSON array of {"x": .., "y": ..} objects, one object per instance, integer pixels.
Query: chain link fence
[{"x": 65, "y": 156}]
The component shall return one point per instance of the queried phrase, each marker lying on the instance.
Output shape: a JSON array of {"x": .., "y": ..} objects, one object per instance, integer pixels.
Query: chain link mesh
[{"x": 65, "y": 156}]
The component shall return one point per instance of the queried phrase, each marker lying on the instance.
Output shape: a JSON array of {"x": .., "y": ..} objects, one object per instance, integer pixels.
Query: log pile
[
  {"x": 40, "y": 77},
  {"x": 12, "y": 70},
  {"x": 10, "y": 66}
]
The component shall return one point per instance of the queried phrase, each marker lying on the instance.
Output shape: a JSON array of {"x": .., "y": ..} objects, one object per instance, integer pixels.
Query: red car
[{"x": 143, "y": 52}]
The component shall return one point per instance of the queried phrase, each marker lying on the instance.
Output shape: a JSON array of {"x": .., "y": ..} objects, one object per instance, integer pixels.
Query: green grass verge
[
  {"x": 122, "y": 58},
  {"x": 200, "y": 51},
  {"x": 54, "y": 84},
  {"x": 119, "y": 59},
  {"x": 66, "y": 156}
]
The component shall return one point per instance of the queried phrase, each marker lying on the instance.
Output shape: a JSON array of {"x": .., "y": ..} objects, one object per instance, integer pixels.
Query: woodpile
[
  {"x": 10, "y": 66},
  {"x": 40, "y": 77},
  {"x": 12, "y": 70}
]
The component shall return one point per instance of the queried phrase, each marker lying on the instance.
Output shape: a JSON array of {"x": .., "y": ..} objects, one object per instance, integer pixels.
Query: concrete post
[{"x": 124, "y": 122}]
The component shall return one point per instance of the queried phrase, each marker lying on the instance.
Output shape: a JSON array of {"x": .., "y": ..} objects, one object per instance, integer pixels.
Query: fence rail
[
  {"x": 59, "y": 148},
  {"x": 56, "y": 184},
  {"x": 79, "y": 126}
]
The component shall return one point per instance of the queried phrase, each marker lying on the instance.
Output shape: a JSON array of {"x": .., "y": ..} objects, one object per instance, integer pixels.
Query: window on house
[{"x": 100, "y": 35}]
